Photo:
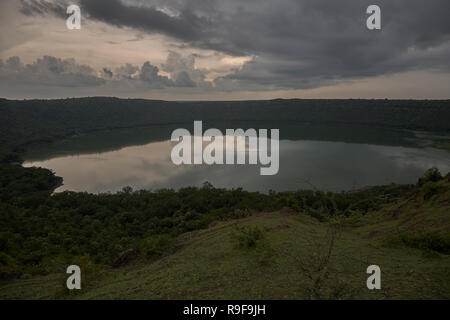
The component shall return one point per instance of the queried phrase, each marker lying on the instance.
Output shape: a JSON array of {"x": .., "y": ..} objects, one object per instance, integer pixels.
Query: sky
[{"x": 225, "y": 49}]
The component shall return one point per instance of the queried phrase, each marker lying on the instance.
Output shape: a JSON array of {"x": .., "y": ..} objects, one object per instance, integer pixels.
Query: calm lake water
[{"x": 330, "y": 158}]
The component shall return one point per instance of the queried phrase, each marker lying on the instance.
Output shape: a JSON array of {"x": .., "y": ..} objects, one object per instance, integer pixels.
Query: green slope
[{"x": 286, "y": 255}]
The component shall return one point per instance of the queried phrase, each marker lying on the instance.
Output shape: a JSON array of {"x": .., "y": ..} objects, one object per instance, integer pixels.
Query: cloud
[
  {"x": 48, "y": 71},
  {"x": 184, "y": 80},
  {"x": 149, "y": 73},
  {"x": 297, "y": 44},
  {"x": 306, "y": 44},
  {"x": 183, "y": 70},
  {"x": 55, "y": 72},
  {"x": 127, "y": 71},
  {"x": 40, "y": 7},
  {"x": 184, "y": 25},
  {"x": 107, "y": 73}
]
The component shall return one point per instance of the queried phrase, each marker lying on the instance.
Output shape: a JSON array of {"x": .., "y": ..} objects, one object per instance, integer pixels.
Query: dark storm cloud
[
  {"x": 185, "y": 25},
  {"x": 296, "y": 43},
  {"x": 35, "y": 7},
  {"x": 305, "y": 44}
]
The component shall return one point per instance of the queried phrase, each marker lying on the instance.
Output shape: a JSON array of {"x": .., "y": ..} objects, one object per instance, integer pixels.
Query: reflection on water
[{"x": 327, "y": 165}]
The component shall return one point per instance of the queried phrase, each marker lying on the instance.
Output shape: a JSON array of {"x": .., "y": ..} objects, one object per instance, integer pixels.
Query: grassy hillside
[{"x": 286, "y": 255}]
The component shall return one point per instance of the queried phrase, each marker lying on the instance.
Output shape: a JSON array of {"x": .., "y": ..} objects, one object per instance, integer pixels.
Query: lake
[{"x": 333, "y": 158}]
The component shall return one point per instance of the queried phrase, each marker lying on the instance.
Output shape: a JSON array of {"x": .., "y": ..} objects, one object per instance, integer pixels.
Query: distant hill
[{"x": 29, "y": 121}]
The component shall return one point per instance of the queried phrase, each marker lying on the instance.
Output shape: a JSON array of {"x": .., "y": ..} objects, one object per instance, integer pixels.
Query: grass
[
  {"x": 283, "y": 255},
  {"x": 444, "y": 146}
]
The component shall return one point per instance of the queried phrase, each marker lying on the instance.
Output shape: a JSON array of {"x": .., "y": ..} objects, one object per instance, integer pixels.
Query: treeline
[
  {"x": 31, "y": 121},
  {"x": 40, "y": 232}
]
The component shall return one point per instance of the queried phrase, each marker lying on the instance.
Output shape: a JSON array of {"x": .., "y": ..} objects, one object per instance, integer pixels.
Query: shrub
[
  {"x": 240, "y": 213},
  {"x": 8, "y": 267},
  {"x": 248, "y": 236},
  {"x": 431, "y": 189},
  {"x": 428, "y": 241},
  {"x": 431, "y": 175},
  {"x": 155, "y": 245}
]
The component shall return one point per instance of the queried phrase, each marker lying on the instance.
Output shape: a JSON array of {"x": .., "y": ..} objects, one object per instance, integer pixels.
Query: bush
[
  {"x": 8, "y": 267},
  {"x": 248, "y": 236},
  {"x": 431, "y": 189},
  {"x": 155, "y": 245},
  {"x": 428, "y": 241},
  {"x": 431, "y": 175},
  {"x": 239, "y": 213}
]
